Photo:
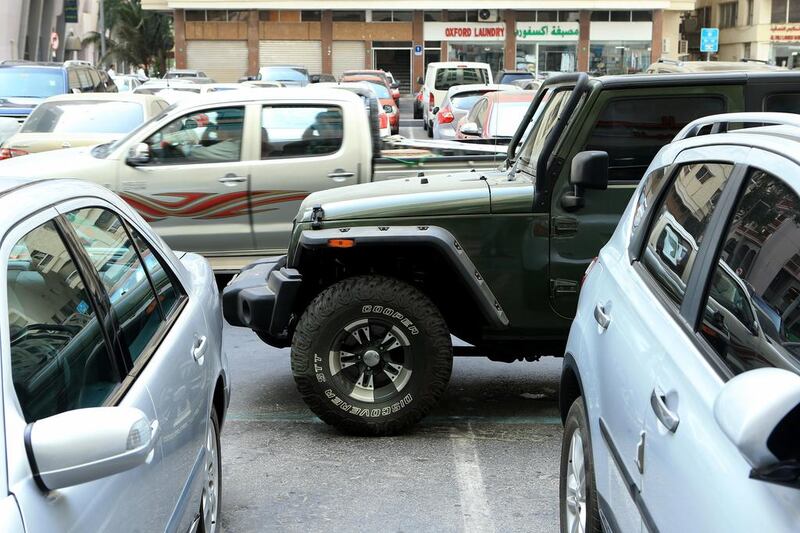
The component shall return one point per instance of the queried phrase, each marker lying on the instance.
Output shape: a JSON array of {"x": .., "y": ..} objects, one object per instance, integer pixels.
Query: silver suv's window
[
  {"x": 210, "y": 136},
  {"x": 752, "y": 313},
  {"x": 680, "y": 224},
  {"x": 59, "y": 358},
  {"x": 300, "y": 131}
]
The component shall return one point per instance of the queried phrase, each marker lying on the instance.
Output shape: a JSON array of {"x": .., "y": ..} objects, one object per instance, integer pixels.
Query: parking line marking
[{"x": 472, "y": 492}]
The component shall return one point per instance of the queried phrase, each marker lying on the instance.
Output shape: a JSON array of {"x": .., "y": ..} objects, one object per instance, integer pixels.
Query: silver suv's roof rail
[{"x": 719, "y": 123}]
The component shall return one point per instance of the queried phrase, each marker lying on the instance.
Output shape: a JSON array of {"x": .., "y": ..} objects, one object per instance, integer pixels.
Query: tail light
[
  {"x": 588, "y": 270},
  {"x": 383, "y": 118},
  {"x": 395, "y": 93},
  {"x": 8, "y": 153},
  {"x": 431, "y": 101},
  {"x": 445, "y": 116}
]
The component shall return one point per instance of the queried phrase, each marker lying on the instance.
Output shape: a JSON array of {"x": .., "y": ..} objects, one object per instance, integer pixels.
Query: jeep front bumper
[{"x": 261, "y": 297}]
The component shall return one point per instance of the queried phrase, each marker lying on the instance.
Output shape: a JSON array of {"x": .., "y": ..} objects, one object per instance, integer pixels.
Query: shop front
[
  {"x": 545, "y": 48},
  {"x": 608, "y": 54},
  {"x": 785, "y": 45},
  {"x": 470, "y": 41}
]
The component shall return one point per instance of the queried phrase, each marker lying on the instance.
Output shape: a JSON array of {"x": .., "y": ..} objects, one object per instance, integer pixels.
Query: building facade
[
  {"x": 542, "y": 36},
  {"x": 764, "y": 30}
]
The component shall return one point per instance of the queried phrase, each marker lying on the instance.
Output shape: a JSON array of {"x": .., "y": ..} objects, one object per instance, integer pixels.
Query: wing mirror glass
[
  {"x": 87, "y": 444},
  {"x": 470, "y": 128},
  {"x": 589, "y": 171},
  {"x": 138, "y": 155},
  {"x": 759, "y": 411}
]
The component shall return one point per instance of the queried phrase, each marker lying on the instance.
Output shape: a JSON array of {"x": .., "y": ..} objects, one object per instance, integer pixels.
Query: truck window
[
  {"x": 448, "y": 77},
  {"x": 782, "y": 103},
  {"x": 295, "y": 131},
  {"x": 633, "y": 130}
]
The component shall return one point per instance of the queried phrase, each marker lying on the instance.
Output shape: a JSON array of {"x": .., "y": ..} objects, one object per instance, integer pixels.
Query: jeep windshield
[{"x": 543, "y": 121}]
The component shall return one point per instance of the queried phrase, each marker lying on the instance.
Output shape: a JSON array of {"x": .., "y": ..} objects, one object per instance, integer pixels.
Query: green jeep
[{"x": 378, "y": 276}]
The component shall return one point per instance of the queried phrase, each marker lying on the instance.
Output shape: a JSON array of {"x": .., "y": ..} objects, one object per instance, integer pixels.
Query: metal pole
[{"x": 102, "y": 31}]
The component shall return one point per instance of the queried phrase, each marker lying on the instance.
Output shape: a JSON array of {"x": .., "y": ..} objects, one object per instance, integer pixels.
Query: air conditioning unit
[
  {"x": 683, "y": 47},
  {"x": 488, "y": 15}
]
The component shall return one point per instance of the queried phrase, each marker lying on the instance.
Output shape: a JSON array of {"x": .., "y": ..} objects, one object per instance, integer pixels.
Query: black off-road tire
[
  {"x": 378, "y": 301},
  {"x": 577, "y": 421}
]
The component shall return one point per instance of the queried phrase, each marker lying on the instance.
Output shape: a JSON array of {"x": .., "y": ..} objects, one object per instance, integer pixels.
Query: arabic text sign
[
  {"x": 785, "y": 33},
  {"x": 709, "y": 40},
  {"x": 464, "y": 31},
  {"x": 548, "y": 31}
]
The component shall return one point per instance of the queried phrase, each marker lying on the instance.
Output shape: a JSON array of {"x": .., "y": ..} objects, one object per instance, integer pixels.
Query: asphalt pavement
[{"x": 485, "y": 460}]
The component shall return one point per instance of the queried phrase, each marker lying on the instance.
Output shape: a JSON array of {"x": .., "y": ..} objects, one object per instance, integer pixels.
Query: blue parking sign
[
  {"x": 418, "y": 50},
  {"x": 709, "y": 40}
]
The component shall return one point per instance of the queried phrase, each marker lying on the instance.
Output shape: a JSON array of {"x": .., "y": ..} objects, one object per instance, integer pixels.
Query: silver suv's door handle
[
  {"x": 339, "y": 175},
  {"x": 668, "y": 418},
  {"x": 601, "y": 317},
  {"x": 232, "y": 179}
]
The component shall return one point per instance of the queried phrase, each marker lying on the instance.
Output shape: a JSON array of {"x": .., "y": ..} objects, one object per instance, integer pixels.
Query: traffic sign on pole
[
  {"x": 709, "y": 40},
  {"x": 418, "y": 50},
  {"x": 54, "y": 41}
]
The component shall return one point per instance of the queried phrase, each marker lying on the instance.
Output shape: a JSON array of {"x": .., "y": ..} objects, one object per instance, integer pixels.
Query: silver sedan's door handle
[
  {"x": 340, "y": 174},
  {"x": 601, "y": 316},
  {"x": 200, "y": 347},
  {"x": 231, "y": 180},
  {"x": 668, "y": 418}
]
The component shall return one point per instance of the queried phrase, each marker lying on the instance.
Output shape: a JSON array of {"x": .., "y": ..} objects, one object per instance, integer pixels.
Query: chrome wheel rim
[
  {"x": 576, "y": 485},
  {"x": 211, "y": 492},
  {"x": 370, "y": 360}
]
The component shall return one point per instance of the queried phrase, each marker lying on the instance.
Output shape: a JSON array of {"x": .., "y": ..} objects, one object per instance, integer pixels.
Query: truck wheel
[
  {"x": 371, "y": 355},
  {"x": 430, "y": 130}
]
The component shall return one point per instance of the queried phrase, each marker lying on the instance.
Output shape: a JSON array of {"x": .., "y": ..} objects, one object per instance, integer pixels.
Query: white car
[
  {"x": 440, "y": 76},
  {"x": 680, "y": 389},
  {"x": 114, "y": 384}
]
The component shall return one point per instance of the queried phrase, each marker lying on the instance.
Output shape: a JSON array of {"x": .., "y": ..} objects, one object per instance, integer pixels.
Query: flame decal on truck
[{"x": 209, "y": 206}]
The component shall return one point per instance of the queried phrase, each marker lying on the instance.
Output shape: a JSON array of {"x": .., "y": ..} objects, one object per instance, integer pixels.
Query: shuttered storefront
[
  {"x": 347, "y": 55},
  {"x": 225, "y": 61},
  {"x": 300, "y": 53}
]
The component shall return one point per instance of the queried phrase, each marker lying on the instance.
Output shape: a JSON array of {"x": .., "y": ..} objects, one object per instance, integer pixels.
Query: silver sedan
[
  {"x": 457, "y": 103},
  {"x": 114, "y": 381}
]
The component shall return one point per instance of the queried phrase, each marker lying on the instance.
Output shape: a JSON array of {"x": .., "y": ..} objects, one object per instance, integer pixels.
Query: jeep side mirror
[
  {"x": 589, "y": 171},
  {"x": 470, "y": 128},
  {"x": 763, "y": 431},
  {"x": 138, "y": 155}
]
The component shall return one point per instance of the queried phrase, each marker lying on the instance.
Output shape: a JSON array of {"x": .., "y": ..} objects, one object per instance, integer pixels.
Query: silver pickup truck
[{"x": 223, "y": 175}]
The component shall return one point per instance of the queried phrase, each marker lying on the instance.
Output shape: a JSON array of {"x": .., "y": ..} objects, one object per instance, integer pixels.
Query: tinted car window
[
  {"x": 466, "y": 100},
  {"x": 105, "y": 240},
  {"x": 165, "y": 285},
  {"x": 212, "y": 136},
  {"x": 633, "y": 130},
  {"x": 84, "y": 116},
  {"x": 289, "y": 131},
  {"x": 448, "y": 77},
  {"x": 59, "y": 358},
  {"x": 752, "y": 312},
  {"x": 31, "y": 82},
  {"x": 680, "y": 224},
  {"x": 782, "y": 103}
]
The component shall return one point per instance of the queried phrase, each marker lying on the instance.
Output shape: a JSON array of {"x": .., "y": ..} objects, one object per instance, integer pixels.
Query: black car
[{"x": 24, "y": 84}]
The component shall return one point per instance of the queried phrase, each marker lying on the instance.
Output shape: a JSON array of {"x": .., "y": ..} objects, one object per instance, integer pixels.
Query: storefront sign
[
  {"x": 464, "y": 31},
  {"x": 548, "y": 31},
  {"x": 621, "y": 31},
  {"x": 784, "y": 33}
]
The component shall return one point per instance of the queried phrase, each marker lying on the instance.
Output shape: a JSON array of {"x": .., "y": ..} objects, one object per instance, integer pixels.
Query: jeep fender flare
[{"x": 436, "y": 237}]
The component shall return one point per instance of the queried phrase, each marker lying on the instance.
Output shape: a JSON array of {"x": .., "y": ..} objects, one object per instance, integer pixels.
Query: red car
[
  {"x": 384, "y": 96},
  {"x": 495, "y": 115},
  {"x": 394, "y": 88}
]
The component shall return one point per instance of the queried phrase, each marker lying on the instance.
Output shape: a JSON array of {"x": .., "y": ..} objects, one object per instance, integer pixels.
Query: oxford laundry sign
[
  {"x": 548, "y": 31},
  {"x": 464, "y": 31}
]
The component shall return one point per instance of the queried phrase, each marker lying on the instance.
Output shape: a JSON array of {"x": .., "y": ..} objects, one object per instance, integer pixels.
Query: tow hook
[{"x": 317, "y": 214}]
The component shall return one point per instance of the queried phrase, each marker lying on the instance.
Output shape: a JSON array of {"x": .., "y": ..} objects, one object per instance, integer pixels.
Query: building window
[
  {"x": 194, "y": 15},
  {"x": 216, "y": 15},
  {"x": 794, "y": 10},
  {"x": 750, "y": 8},
  {"x": 547, "y": 16},
  {"x": 526, "y": 16},
  {"x": 704, "y": 17},
  {"x": 402, "y": 16},
  {"x": 238, "y": 15},
  {"x": 381, "y": 16},
  {"x": 727, "y": 14},
  {"x": 620, "y": 16},
  {"x": 433, "y": 16},
  {"x": 746, "y": 54},
  {"x": 456, "y": 16},
  {"x": 642, "y": 16},
  {"x": 779, "y": 8},
  {"x": 391, "y": 16},
  {"x": 310, "y": 15},
  {"x": 600, "y": 16},
  {"x": 349, "y": 16},
  {"x": 569, "y": 16}
]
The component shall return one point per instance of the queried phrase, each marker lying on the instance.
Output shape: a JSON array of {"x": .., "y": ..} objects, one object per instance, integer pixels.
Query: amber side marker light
[{"x": 341, "y": 243}]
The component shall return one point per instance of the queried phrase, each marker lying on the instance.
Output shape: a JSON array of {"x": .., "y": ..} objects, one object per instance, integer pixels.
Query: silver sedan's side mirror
[
  {"x": 138, "y": 155},
  {"x": 87, "y": 444},
  {"x": 470, "y": 128}
]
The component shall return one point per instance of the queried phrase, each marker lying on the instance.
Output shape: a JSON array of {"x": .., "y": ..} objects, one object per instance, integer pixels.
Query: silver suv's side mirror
[
  {"x": 138, "y": 155},
  {"x": 470, "y": 128},
  {"x": 87, "y": 444},
  {"x": 758, "y": 411}
]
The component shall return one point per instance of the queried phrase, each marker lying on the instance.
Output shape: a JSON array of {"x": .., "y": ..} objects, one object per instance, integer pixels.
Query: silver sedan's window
[{"x": 59, "y": 358}]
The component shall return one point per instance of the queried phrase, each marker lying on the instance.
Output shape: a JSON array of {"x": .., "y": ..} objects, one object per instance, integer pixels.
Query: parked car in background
[
  {"x": 115, "y": 383},
  {"x": 495, "y": 117},
  {"x": 528, "y": 85},
  {"x": 458, "y": 101},
  {"x": 393, "y": 86},
  {"x": 322, "y": 78},
  {"x": 74, "y": 120},
  {"x": 221, "y": 87},
  {"x": 382, "y": 90},
  {"x": 262, "y": 84},
  {"x": 8, "y": 127},
  {"x": 668, "y": 66},
  {"x": 288, "y": 75},
  {"x": 155, "y": 86},
  {"x": 187, "y": 74},
  {"x": 372, "y": 104},
  {"x": 24, "y": 84},
  {"x": 126, "y": 82},
  {"x": 440, "y": 76},
  {"x": 680, "y": 390},
  {"x": 510, "y": 76}
]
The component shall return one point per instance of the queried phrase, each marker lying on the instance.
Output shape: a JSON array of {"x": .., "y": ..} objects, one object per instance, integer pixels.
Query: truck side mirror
[
  {"x": 138, "y": 155},
  {"x": 589, "y": 171}
]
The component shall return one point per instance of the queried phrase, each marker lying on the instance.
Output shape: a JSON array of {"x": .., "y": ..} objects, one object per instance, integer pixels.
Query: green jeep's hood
[{"x": 452, "y": 194}]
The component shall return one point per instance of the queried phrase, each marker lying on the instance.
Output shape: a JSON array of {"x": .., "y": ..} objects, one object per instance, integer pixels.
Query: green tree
[{"x": 138, "y": 37}]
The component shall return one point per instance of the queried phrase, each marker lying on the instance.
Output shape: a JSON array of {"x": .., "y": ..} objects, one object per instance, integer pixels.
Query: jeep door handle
[
  {"x": 668, "y": 418},
  {"x": 600, "y": 315},
  {"x": 230, "y": 180},
  {"x": 339, "y": 175},
  {"x": 200, "y": 347}
]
